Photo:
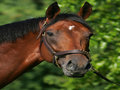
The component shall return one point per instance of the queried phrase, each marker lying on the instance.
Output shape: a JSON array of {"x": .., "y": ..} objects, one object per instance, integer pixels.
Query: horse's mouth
[{"x": 77, "y": 76}]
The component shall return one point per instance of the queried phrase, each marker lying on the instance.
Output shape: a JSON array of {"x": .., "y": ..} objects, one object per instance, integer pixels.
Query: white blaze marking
[{"x": 71, "y": 27}]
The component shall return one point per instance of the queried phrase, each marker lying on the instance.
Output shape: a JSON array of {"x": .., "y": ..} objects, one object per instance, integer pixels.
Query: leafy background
[{"x": 104, "y": 45}]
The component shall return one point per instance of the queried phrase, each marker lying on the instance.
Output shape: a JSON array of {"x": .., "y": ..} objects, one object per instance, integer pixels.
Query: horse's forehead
[
  {"x": 69, "y": 25},
  {"x": 64, "y": 24}
]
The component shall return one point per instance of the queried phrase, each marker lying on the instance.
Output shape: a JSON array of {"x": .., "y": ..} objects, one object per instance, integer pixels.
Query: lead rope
[{"x": 103, "y": 77}]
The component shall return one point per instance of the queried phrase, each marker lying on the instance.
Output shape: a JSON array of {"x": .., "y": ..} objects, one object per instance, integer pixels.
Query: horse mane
[{"x": 12, "y": 31}]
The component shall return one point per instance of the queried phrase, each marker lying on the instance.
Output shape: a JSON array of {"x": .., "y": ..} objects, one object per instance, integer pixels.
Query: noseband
[{"x": 57, "y": 55}]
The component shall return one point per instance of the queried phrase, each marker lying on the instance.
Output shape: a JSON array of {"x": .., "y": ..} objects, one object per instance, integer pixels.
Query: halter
[{"x": 57, "y": 55}]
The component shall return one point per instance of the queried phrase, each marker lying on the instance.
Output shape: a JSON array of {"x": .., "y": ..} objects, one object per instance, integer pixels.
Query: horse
[{"x": 60, "y": 38}]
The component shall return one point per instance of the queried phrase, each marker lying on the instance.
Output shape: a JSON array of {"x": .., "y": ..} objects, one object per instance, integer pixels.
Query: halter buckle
[
  {"x": 43, "y": 34},
  {"x": 56, "y": 60},
  {"x": 45, "y": 23}
]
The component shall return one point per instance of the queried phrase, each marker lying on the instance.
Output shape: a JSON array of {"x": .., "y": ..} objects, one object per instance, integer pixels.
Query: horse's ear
[
  {"x": 85, "y": 11},
  {"x": 52, "y": 11}
]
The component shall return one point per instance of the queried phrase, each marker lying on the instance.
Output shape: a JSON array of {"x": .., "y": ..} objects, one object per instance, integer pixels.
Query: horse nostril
[
  {"x": 70, "y": 66},
  {"x": 88, "y": 66}
]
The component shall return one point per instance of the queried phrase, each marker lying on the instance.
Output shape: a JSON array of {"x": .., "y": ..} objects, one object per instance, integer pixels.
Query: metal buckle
[
  {"x": 56, "y": 61},
  {"x": 41, "y": 29},
  {"x": 43, "y": 34},
  {"x": 45, "y": 23}
]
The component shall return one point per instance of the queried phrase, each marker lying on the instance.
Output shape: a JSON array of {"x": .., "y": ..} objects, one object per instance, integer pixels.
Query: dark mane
[{"x": 12, "y": 31}]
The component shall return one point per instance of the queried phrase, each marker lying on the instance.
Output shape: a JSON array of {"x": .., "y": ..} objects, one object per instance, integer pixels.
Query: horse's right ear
[
  {"x": 52, "y": 11},
  {"x": 85, "y": 11}
]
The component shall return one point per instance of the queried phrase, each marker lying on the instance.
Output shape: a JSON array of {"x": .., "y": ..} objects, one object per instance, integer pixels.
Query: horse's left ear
[
  {"x": 52, "y": 11},
  {"x": 85, "y": 11}
]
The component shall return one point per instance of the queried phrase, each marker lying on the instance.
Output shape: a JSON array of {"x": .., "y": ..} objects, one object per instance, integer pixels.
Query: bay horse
[{"x": 59, "y": 38}]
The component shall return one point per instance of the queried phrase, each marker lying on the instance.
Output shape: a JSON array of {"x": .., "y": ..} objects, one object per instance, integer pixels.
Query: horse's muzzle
[
  {"x": 71, "y": 66},
  {"x": 76, "y": 67}
]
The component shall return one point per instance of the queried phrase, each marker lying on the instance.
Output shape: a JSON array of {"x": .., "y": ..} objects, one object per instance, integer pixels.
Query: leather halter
[{"x": 57, "y": 55}]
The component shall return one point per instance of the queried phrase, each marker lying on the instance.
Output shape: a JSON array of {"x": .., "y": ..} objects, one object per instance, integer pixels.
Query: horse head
[{"x": 65, "y": 40}]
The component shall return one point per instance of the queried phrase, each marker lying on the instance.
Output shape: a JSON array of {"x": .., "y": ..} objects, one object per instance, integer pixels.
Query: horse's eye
[{"x": 49, "y": 33}]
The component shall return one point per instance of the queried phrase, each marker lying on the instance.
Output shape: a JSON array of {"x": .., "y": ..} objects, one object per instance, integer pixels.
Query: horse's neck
[{"x": 17, "y": 57}]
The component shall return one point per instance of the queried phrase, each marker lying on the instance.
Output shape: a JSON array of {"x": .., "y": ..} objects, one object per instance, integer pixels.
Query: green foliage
[{"x": 104, "y": 45}]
